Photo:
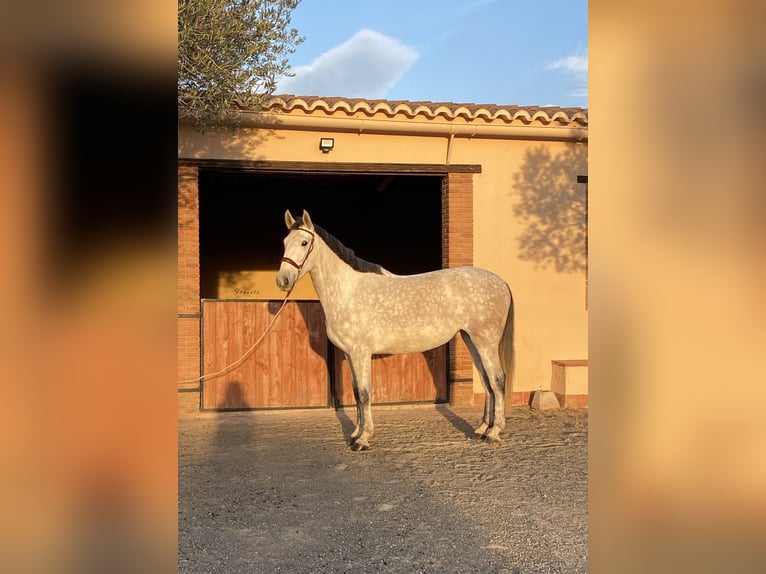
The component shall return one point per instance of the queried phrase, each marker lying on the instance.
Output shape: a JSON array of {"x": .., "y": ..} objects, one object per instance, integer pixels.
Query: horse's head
[{"x": 299, "y": 246}]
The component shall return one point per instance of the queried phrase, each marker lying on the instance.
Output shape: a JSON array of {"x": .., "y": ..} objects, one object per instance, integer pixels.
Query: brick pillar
[
  {"x": 188, "y": 290},
  {"x": 457, "y": 250}
]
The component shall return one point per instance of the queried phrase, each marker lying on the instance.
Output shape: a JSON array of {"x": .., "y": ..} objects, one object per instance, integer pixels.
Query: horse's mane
[{"x": 347, "y": 255}]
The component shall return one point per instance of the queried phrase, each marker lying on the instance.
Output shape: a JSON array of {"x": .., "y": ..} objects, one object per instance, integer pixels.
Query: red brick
[{"x": 188, "y": 351}]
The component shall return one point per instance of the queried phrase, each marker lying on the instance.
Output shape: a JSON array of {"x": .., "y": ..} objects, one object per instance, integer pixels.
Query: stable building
[{"x": 412, "y": 186}]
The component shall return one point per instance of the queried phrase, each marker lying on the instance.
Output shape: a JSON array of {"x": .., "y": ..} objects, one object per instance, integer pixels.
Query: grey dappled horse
[{"x": 370, "y": 311}]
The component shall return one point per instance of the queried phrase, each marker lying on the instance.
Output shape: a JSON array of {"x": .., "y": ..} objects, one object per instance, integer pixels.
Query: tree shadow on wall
[{"x": 551, "y": 208}]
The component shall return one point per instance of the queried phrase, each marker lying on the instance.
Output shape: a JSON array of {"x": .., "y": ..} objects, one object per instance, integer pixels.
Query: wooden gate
[
  {"x": 294, "y": 364},
  {"x": 287, "y": 369}
]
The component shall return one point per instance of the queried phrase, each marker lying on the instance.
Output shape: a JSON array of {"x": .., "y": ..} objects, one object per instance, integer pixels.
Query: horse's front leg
[
  {"x": 361, "y": 367},
  {"x": 358, "y": 426}
]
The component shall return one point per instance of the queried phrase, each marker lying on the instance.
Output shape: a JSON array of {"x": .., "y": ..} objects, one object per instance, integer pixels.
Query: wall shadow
[
  {"x": 551, "y": 208},
  {"x": 227, "y": 141}
]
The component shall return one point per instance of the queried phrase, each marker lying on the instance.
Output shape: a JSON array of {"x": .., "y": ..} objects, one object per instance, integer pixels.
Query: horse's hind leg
[
  {"x": 486, "y": 421},
  {"x": 490, "y": 357},
  {"x": 497, "y": 381},
  {"x": 361, "y": 367},
  {"x": 486, "y": 357}
]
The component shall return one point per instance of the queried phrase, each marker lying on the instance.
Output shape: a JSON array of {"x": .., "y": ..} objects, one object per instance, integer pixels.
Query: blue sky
[{"x": 505, "y": 52}]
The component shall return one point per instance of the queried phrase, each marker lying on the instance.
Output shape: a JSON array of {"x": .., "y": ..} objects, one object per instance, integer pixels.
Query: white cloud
[
  {"x": 367, "y": 65},
  {"x": 577, "y": 66}
]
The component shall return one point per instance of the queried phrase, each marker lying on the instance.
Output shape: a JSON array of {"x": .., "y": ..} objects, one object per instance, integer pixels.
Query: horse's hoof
[
  {"x": 357, "y": 446},
  {"x": 493, "y": 439},
  {"x": 479, "y": 435}
]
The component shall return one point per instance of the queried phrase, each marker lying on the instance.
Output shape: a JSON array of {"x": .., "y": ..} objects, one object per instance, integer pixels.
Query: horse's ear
[
  {"x": 307, "y": 220},
  {"x": 289, "y": 219}
]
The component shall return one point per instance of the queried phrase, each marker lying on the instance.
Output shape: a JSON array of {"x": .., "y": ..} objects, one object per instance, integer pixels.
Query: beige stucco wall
[
  {"x": 551, "y": 315},
  {"x": 296, "y": 145},
  {"x": 518, "y": 179}
]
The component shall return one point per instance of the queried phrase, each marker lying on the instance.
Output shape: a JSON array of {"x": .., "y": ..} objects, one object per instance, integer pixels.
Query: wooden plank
[
  {"x": 570, "y": 362},
  {"x": 288, "y": 368},
  {"x": 337, "y": 167},
  {"x": 411, "y": 377}
]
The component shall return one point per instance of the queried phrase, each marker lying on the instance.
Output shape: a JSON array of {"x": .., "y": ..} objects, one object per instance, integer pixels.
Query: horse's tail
[{"x": 507, "y": 348}]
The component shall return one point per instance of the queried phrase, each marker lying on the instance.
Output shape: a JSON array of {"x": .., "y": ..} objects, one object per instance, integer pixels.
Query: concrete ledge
[
  {"x": 569, "y": 381},
  {"x": 545, "y": 401}
]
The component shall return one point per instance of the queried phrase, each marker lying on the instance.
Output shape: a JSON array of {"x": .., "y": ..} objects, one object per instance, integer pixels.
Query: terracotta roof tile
[{"x": 449, "y": 110}]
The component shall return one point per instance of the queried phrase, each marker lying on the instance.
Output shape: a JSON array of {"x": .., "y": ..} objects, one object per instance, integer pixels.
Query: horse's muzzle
[{"x": 284, "y": 281}]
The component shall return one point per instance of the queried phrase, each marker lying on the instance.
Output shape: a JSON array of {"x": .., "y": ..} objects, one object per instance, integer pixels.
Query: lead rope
[{"x": 244, "y": 357}]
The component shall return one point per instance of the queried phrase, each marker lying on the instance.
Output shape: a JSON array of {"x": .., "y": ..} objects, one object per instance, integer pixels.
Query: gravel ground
[{"x": 280, "y": 491}]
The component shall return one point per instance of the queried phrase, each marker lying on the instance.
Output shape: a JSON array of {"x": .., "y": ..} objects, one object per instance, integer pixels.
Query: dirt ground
[{"x": 281, "y": 491}]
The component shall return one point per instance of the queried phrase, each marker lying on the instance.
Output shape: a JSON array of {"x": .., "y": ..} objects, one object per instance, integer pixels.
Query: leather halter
[{"x": 311, "y": 248}]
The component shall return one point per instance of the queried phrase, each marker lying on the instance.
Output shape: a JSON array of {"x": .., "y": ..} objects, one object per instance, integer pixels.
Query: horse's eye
[{"x": 304, "y": 243}]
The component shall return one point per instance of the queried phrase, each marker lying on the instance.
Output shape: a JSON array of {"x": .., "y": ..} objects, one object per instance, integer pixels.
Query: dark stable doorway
[{"x": 392, "y": 220}]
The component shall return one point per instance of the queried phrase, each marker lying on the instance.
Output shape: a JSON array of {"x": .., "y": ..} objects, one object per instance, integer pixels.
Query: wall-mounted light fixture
[{"x": 326, "y": 144}]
